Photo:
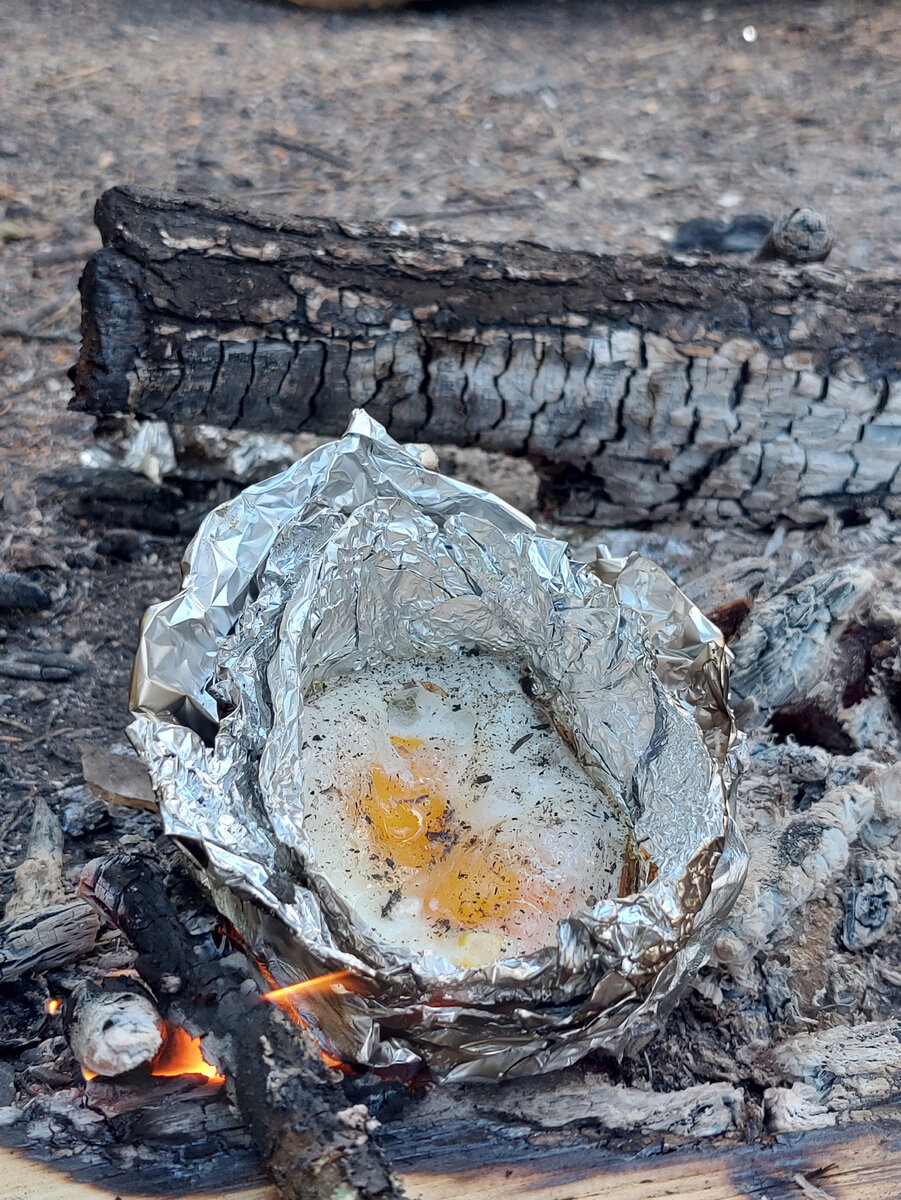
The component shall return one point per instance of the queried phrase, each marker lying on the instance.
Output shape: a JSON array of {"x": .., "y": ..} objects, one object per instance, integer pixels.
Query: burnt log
[
  {"x": 643, "y": 389},
  {"x": 315, "y": 1144},
  {"x": 134, "y": 1135},
  {"x": 17, "y": 592},
  {"x": 38, "y": 879}
]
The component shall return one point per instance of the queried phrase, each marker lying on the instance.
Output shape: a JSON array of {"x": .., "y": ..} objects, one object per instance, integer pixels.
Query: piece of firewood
[
  {"x": 134, "y": 1135},
  {"x": 113, "y": 1025},
  {"x": 38, "y": 879},
  {"x": 642, "y": 388},
  {"x": 43, "y": 928},
  {"x": 46, "y": 938},
  {"x": 120, "y": 779},
  {"x": 315, "y": 1144},
  {"x": 861, "y": 1162},
  {"x": 17, "y": 592}
]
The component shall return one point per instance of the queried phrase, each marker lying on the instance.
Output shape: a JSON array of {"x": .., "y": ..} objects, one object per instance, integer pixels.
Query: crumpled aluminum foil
[
  {"x": 359, "y": 554},
  {"x": 160, "y": 450}
]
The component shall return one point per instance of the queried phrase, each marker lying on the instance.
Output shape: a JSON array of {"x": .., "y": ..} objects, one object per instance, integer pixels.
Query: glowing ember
[
  {"x": 181, "y": 1055},
  {"x": 52, "y": 1006},
  {"x": 88, "y": 1075}
]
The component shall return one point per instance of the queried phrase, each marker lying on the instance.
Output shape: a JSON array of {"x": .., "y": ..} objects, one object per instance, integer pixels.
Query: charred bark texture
[
  {"x": 643, "y": 388},
  {"x": 143, "y": 1136},
  {"x": 46, "y": 938},
  {"x": 315, "y": 1144},
  {"x": 43, "y": 928}
]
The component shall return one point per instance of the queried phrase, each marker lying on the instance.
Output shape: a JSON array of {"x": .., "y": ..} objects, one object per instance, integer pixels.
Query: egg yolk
[
  {"x": 477, "y": 885},
  {"x": 406, "y": 818},
  {"x": 471, "y": 884}
]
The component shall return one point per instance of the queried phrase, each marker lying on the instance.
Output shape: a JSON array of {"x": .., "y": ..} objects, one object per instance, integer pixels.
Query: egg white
[{"x": 507, "y": 833}]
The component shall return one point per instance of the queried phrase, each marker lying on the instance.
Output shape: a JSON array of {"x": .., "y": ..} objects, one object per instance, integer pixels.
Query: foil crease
[{"x": 359, "y": 554}]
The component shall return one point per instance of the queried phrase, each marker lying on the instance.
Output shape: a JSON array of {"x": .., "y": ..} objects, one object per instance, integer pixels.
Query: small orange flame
[
  {"x": 336, "y": 1063},
  {"x": 52, "y": 1006},
  {"x": 310, "y": 986},
  {"x": 181, "y": 1055},
  {"x": 283, "y": 997}
]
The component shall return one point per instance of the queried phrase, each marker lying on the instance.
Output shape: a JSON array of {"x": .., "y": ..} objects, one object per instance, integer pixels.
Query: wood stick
[
  {"x": 39, "y": 877},
  {"x": 316, "y": 1146},
  {"x": 642, "y": 388},
  {"x": 113, "y": 1025}
]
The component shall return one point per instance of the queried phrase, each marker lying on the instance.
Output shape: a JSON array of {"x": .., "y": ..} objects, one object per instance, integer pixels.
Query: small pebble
[{"x": 803, "y": 236}]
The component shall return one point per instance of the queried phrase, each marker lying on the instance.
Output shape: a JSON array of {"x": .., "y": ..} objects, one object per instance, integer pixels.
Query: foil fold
[{"x": 359, "y": 554}]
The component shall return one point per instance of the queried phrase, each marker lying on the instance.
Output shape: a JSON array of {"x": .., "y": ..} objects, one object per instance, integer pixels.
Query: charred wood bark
[
  {"x": 23, "y": 1012},
  {"x": 315, "y": 1145},
  {"x": 46, "y": 938},
  {"x": 133, "y": 1136},
  {"x": 16, "y": 592},
  {"x": 643, "y": 388},
  {"x": 38, "y": 879}
]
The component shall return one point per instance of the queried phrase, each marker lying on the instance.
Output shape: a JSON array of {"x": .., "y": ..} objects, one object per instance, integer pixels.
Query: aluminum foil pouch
[{"x": 360, "y": 554}]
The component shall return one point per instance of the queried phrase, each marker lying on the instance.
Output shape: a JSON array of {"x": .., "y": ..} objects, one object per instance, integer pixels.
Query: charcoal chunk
[
  {"x": 40, "y": 664},
  {"x": 744, "y": 234},
  {"x": 18, "y": 592}
]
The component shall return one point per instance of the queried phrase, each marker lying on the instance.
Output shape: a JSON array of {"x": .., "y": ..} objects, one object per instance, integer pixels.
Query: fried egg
[{"x": 443, "y": 805}]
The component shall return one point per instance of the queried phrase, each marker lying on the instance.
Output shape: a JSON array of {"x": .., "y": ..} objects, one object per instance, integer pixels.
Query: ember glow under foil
[{"x": 359, "y": 563}]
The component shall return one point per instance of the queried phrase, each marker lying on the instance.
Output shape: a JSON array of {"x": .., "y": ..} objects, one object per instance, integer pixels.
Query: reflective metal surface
[{"x": 356, "y": 555}]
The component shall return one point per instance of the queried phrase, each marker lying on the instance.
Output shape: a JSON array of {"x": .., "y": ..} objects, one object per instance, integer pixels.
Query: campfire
[
  {"x": 454, "y": 830},
  {"x": 115, "y": 1031},
  {"x": 182, "y": 1054},
  {"x": 337, "y": 920},
  {"x": 194, "y": 1011}
]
